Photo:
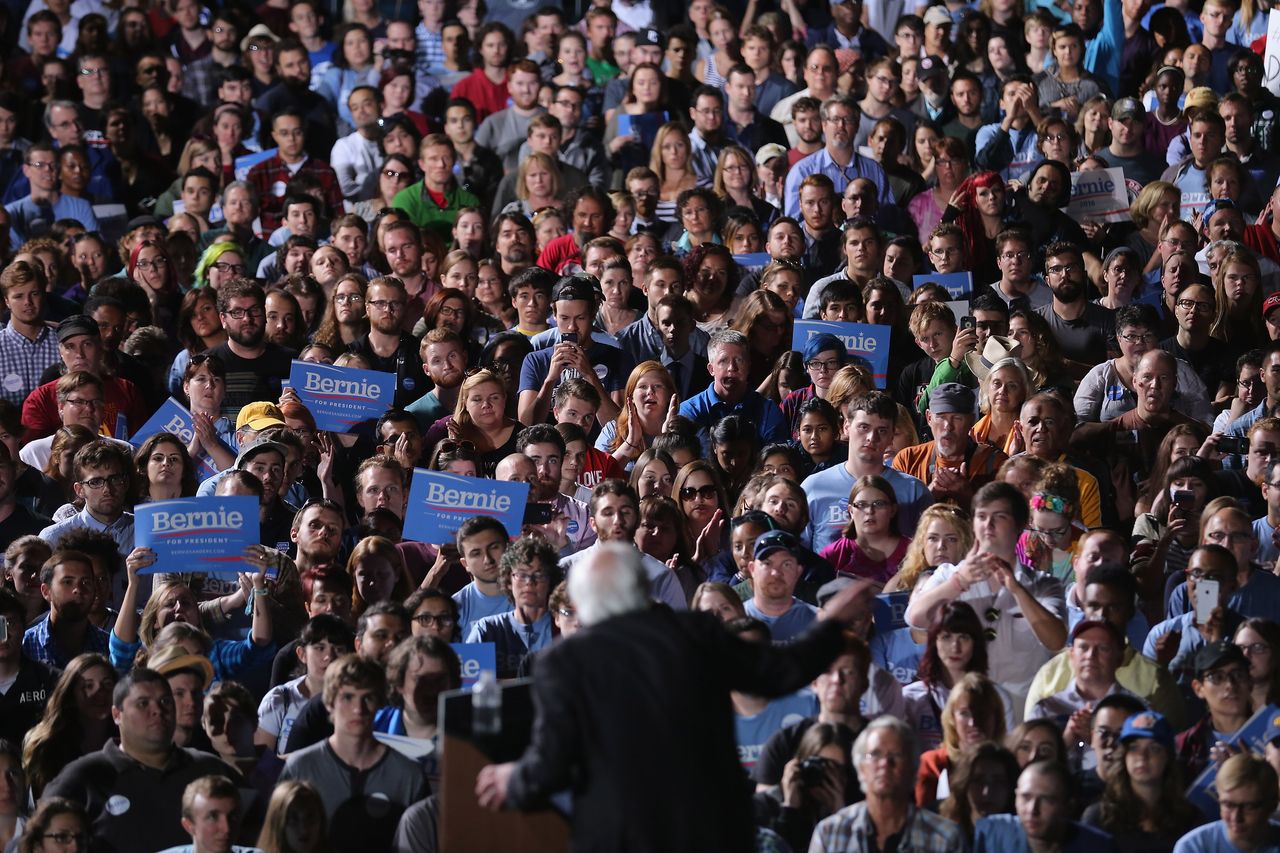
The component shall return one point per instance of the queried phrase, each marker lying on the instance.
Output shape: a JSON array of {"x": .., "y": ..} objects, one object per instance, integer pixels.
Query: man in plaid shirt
[
  {"x": 271, "y": 177},
  {"x": 28, "y": 346},
  {"x": 885, "y": 758}
]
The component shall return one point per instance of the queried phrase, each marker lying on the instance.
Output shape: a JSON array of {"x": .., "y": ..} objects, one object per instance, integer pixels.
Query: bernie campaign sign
[
  {"x": 197, "y": 534},
  {"x": 440, "y": 502},
  {"x": 342, "y": 398},
  {"x": 475, "y": 659},
  {"x": 865, "y": 342},
  {"x": 958, "y": 284},
  {"x": 174, "y": 418},
  {"x": 1203, "y": 792}
]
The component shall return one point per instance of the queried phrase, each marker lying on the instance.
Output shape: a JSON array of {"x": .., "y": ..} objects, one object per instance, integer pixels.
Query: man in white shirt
[{"x": 356, "y": 156}]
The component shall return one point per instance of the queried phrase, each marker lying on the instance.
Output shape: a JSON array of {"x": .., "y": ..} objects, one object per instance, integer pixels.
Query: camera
[
  {"x": 1238, "y": 444},
  {"x": 813, "y": 771}
]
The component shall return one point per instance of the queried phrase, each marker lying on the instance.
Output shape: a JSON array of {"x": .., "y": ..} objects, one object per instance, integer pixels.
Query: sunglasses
[{"x": 688, "y": 493}]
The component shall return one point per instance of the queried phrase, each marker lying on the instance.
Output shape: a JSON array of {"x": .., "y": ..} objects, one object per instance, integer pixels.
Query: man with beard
[
  {"x": 1085, "y": 330},
  {"x": 707, "y": 139},
  {"x": 505, "y": 131},
  {"x": 356, "y": 156},
  {"x": 513, "y": 242},
  {"x": 544, "y": 447},
  {"x": 66, "y": 582},
  {"x": 270, "y": 178},
  {"x": 264, "y": 460},
  {"x": 293, "y": 94},
  {"x": 1194, "y": 307},
  {"x": 642, "y": 182},
  {"x": 445, "y": 360},
  {"x": 316, "y": 532},
  {"x": 615, "y": 516},
  {"x": 254, "y": 366},
  {"x": 386, "y": 347}
]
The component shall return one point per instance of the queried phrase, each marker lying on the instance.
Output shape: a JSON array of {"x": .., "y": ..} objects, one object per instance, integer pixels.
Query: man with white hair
[
  {"x": 885, "y": 759},
  {"x": 615, "y": 515},
  {"x": 661, "y": 666}
]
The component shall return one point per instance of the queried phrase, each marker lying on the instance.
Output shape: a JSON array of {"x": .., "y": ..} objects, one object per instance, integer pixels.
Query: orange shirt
[{"x": 980, "y": 460}]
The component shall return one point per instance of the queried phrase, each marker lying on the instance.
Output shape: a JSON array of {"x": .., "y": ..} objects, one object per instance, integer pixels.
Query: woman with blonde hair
[
  {"x": 537, "y": 185},
  {"x": 199, "y": 151},
  {"x": 974, "y": 713},
  {"x": 672, "y": 161},
  {"x": 942, "y": 535},
  {"x": 1005, "y": 388},
  {"x": 295, "y": 821},
  {"x": 77, "y": 720},
  {"x": 377, "y": 574},
  {"x": 719, "y": 599},
  {"x": 480, "y": 417},
  {"x": 1157, "y": 204},
  {"x": 649, "y": 394}
]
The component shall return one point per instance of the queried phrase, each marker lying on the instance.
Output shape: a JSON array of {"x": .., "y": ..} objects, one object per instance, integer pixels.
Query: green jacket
[{"x": 424, "y": 212}]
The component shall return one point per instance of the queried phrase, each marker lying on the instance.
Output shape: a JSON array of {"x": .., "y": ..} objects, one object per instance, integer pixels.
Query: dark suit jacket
[{"x": 633, "y": 715}]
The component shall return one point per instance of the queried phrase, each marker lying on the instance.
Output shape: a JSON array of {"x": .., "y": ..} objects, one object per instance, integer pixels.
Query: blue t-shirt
[
  {"x": 1267, "y": 551},
  {"x": 707, "y": 408},
  {"x": 789, "y": 625},
  {"x": 1258, "y": 599},
  {"x": 611, "y": 365},
  {"x": 474, "y": 605},
  {"x": 828, "y": 493},
  {"x": 752, "y": 733},
  {"x": 1212, "y": 838},
  {"x": 895, "y": 652}
]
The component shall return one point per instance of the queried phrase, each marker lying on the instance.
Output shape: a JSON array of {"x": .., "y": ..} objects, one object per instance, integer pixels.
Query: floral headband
[{"x": 1051, "y": 503}]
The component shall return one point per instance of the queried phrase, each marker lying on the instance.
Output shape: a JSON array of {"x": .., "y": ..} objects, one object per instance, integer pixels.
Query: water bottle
[{"x": 486, "y": 705}]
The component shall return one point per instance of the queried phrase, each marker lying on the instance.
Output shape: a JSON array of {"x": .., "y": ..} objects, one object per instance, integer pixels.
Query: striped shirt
[{"x": 24, "y": 360}]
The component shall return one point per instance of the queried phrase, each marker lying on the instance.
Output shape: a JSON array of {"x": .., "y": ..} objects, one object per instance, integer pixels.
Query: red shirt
[
  {"x": 1262, "y": 240},
  {"x": 40, "y": 411},
  {"x": 597, "y": 467},
  {"x": 487, "y": 97},
  {"x": 559, "y": 253}
]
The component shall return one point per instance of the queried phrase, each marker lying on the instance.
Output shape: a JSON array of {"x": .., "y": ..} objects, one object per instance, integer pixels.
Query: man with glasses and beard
[
  {"x": 387, "y": 347},
  {"x": 254, "y": 365},
  {"x": 1085, "y": 330}
]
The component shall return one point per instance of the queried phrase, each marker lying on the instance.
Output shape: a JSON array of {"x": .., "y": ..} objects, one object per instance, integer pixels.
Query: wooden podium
[{"x": 464, "y": 826}]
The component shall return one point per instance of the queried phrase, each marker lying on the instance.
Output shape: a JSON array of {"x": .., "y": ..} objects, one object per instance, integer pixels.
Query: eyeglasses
[
  {"x": 80, "y": 838},
  {"x": 1251, "y": 649},
  {"x": 388, "y": 305},
  {"x": 95, "y": 72},
  {"x": 1221, "y": 537},
  {"x": 823, "y": 366},
  {"x": 1062, "y": 269},
  {"x": 1052, "y": 532},
  {"x": 530, "y": 577},
  {"x": 567, "y": 613},
  {"x": 241, "y": 313},
  {"x": 115, "y": 481},
  {"x": 847, "y": 121},
  {"x": 450, "y": 445},
  {"x": 1202, "y": 575},
  {"x": 348, "y": 298},
  {"x": 869, "y": 506},
  {"x": 1195, "y": 305},
  {"x": 46, "y": 165},
  {"x": 1235, "y": 676},
  {"x": 1056, "y": 137},
  {"x": 223, "y": 267},
  {"x": 82, "y": 403},
  {"x": 708, "y": 492},
  {"x": 158, "y": 263},
  {"x": 426, "y": 620},
  {"x": 1253, "y": 806},
  {"x": 394, "y": 175},
  {"x": 1132, "y": 338},
  {"x": 1016, "y": 256},
  {"x": 452, "y": 313}
]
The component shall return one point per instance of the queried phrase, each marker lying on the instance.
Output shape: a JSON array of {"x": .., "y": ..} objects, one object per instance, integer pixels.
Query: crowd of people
[{"x": 581, "y": 239}]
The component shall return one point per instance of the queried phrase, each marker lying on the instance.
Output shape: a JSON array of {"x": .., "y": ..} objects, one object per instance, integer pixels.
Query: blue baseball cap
[
  {"x": 1153, "y": 725},
  {"x": 824, "y": 342},
  {"x": 774, "y": 540}
]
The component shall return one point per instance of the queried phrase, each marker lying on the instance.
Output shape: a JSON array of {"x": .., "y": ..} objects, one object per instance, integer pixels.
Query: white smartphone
[{"x": 1206, "y": 600}]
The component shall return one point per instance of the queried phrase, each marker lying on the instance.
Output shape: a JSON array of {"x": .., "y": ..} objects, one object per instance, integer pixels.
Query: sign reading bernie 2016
[
  {"x": 197, "y": 534},
  {"x": 342, "y": 398},
  {"x": 440, "y": 502}
]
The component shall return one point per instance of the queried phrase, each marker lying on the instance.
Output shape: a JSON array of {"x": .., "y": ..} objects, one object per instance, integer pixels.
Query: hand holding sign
[{"x": 342, "y": 398}]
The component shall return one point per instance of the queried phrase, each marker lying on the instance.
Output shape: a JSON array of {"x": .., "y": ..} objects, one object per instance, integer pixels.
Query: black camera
[{"x": 813, "y": 771}]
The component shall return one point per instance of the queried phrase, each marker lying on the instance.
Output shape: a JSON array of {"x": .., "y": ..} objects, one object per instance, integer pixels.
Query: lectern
[{"x": 464, "y": 826}]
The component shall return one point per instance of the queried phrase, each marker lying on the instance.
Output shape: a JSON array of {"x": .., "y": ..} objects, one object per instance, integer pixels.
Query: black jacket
[{"x": 633, "y": 715}]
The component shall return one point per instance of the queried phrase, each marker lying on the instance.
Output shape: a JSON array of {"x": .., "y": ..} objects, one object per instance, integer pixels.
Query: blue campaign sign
[
  {"x": 958, "y": 284},
  {"x": 197, "y": 534},
  {"x": 864, "y": 341},
  {"x": 1203, "y": 792},
  {"x": 889, "y": 612},
  {"x": 174, "y": 418},
  {"x": 342, "y": 398},
  {"x": 440, "y": 502},
  {"x": 248, "y": 161},
  {"x": 476, "y": 658},
  {"x": 753, "y": 261}
]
